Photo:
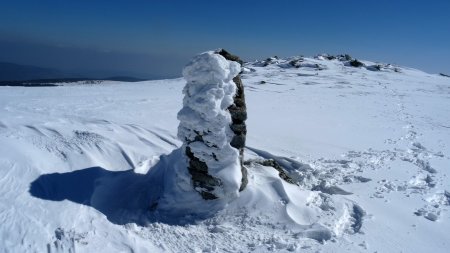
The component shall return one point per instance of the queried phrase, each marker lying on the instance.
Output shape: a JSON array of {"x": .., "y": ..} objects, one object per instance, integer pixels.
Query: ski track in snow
[{"x": 369, "y": 150}]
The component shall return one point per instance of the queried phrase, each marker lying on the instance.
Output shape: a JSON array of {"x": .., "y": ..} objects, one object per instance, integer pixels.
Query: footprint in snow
[{"x": 435, "y": 204}]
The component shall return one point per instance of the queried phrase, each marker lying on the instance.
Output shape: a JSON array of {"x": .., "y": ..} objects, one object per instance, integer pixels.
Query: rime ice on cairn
[{"x": 212, "y": 125}]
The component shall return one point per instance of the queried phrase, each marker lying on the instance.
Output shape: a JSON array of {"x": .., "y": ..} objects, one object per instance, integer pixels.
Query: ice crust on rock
[{"x": 205, "y": 124}]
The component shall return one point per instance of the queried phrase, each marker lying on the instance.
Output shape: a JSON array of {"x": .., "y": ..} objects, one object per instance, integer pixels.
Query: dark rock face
[
  {"x": 344, "y": 57},
  {"x": 200, "y": 176},
  {"x": 355, "y": 63},
  {"x": 269, "y": 61},
  {"x": 282, "y": 173},
  {"x": 229, "y": 56},
  {"x": 296, "y": 63},
  {"x": 238, "y": 111}
]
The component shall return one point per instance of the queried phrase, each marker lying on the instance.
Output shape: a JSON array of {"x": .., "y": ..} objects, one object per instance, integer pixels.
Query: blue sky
[{"x": 156, "y": 38}]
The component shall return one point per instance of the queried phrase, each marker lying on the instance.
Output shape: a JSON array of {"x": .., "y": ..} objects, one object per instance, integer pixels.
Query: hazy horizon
[{"x": 155, "y": 39}]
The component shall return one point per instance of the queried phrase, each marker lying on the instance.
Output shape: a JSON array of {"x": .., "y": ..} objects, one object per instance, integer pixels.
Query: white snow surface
[
  {"x": 91, "y": 167},
  {"x": 208, "y": 93}
]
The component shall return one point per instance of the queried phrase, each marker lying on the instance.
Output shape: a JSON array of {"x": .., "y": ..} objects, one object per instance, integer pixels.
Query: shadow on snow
[{"x": 122, "y": 196}]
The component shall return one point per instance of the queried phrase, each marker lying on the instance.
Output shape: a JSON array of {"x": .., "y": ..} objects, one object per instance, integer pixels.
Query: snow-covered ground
[{"x": 369, "y": 150}]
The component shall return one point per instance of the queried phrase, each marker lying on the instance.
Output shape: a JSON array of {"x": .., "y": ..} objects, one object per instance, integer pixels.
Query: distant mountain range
[{"x": 16, "y": 74}]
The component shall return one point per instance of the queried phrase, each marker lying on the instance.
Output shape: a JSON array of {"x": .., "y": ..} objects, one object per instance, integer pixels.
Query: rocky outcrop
[
  {"x": 376, "y": 67},
  {"x": 282, "y": 173},
  {"x": 355, "y": 63}
]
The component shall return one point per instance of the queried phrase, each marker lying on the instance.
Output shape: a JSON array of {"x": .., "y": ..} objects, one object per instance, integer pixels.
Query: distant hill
[
  {"x": 17, "y": 72},
  {"x": 124, "y": 79},
  {"x": 59, "y": 81},
  {"x": 12, "y": 74}
]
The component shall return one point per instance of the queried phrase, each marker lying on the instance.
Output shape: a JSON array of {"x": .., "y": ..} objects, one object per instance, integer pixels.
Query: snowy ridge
[{"x": 81, "y": 166}]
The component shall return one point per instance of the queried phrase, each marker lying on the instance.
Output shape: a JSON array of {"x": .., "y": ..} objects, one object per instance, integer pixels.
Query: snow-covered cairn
[{"x": 212, "y": 124}]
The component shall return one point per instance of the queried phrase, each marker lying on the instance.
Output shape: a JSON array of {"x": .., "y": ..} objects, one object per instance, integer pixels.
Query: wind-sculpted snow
[{"x": 99, "y": 168}]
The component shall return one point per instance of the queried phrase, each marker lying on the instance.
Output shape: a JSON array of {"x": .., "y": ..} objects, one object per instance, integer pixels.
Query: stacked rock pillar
[
  {"x": 212, "y": 124},
  {"x": 238, "y": 111}
]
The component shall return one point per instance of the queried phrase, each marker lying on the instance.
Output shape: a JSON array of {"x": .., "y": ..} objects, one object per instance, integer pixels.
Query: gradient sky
[{"x": 156, "y": 38}]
